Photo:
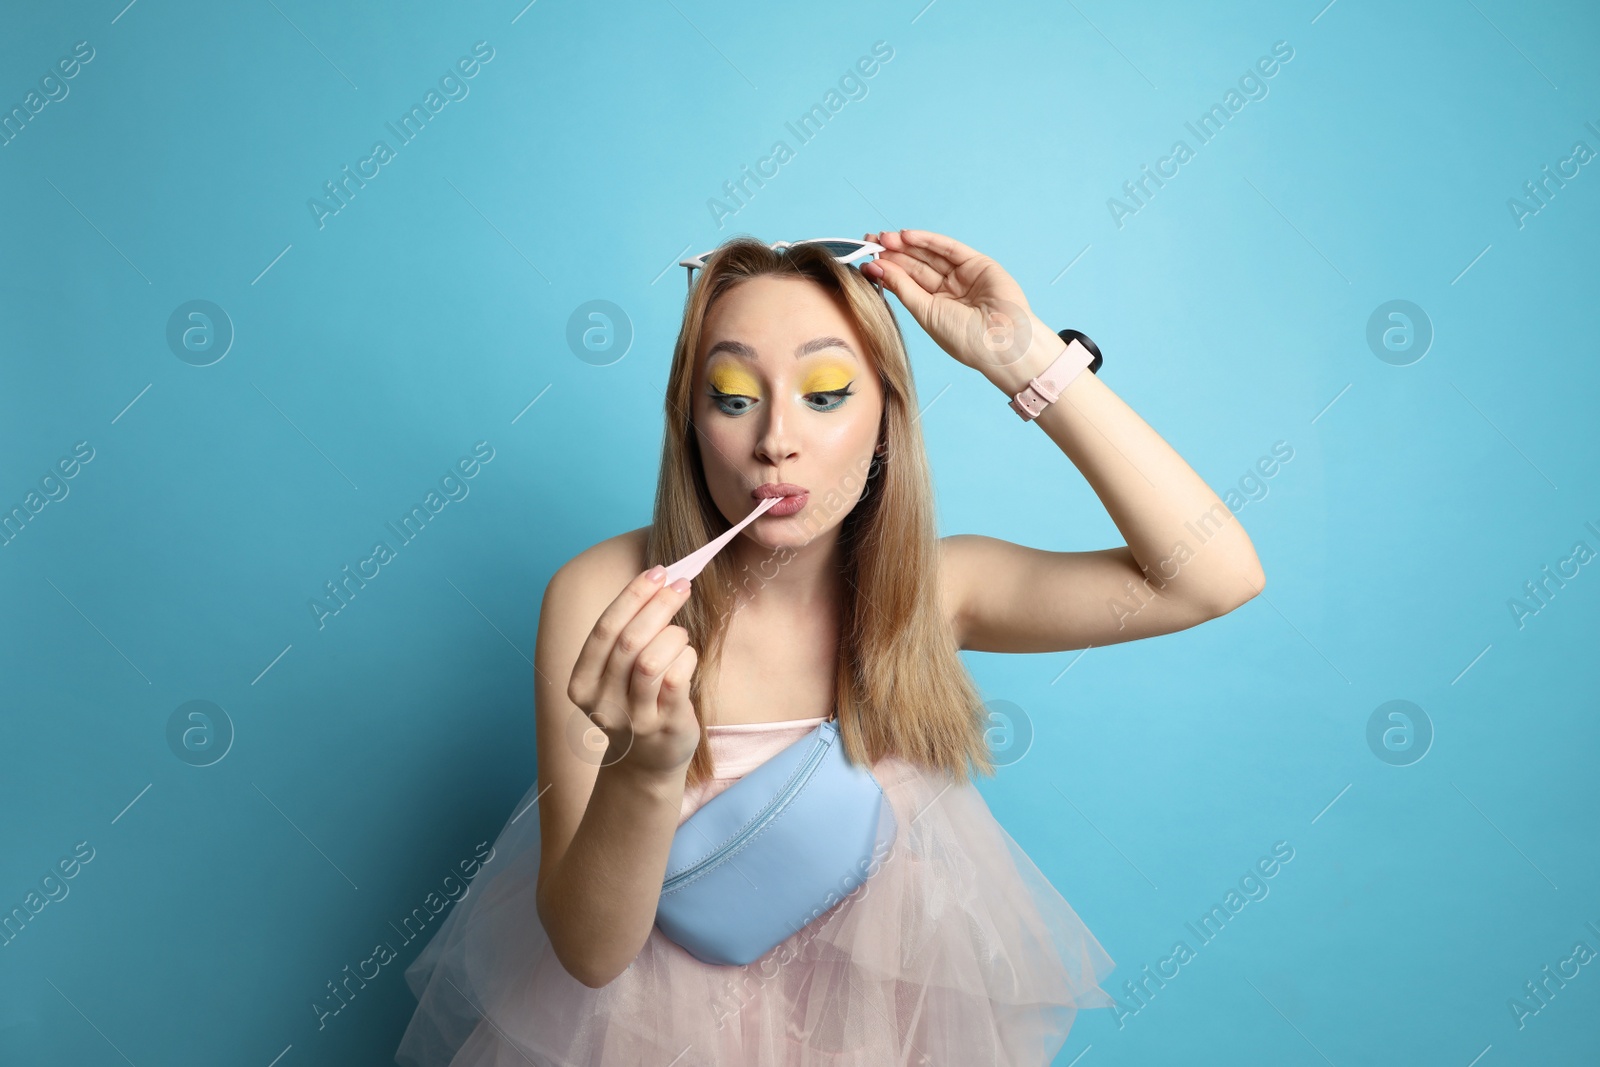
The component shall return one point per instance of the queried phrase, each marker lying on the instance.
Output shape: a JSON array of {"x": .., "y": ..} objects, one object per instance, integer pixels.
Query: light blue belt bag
[{"x": 776, "y": 850}]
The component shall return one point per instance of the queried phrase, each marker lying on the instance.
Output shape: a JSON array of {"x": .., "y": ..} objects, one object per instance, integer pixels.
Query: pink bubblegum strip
[{"x": 691, "y": 565}]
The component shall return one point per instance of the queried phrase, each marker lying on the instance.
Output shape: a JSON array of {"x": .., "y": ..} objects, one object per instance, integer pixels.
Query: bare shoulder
[{"x": 606, "y": 566}]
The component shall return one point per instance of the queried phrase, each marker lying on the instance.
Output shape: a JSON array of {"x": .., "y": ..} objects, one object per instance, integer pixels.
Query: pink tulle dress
[{"x": 956, "y": 952}]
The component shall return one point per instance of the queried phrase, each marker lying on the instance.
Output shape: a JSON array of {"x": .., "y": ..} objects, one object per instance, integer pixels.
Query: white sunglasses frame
[{"x": 868, "y": 248}]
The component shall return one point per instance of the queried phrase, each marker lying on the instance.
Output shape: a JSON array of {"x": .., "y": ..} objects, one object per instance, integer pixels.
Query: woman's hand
[
  {"x": 963, "y": 299},
  {"x": 632, "y": 679}
]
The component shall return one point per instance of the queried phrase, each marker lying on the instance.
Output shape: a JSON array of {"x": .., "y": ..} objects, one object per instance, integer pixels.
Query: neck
[{"x": 803, "y": 581}]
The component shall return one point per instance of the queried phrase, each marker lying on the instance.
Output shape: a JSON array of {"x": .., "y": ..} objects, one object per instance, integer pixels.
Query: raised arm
[{"x": 1187, "y": 558}]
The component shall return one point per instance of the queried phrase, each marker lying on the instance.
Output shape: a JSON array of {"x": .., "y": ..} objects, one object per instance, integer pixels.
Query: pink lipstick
[{"x": 792, "y": 497}]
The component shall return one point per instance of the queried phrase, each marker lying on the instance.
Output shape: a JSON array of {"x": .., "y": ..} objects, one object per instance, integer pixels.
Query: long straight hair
[{"x": 899, "y": 684}]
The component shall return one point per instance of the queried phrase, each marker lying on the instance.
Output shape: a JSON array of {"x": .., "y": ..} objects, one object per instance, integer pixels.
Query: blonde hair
[{"x": 900, "y": 685}]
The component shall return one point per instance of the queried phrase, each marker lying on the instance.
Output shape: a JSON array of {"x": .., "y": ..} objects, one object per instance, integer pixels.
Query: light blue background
[{"x": 371, "y": 756}]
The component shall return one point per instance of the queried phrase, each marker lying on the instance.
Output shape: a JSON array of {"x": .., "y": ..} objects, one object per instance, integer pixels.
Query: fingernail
[
  {"x": 655, "y": 574},
  {"x": 680, "y": 585}
]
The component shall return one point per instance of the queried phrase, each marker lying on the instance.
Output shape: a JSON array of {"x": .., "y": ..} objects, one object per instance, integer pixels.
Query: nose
[{"x": 776, "y": 443}]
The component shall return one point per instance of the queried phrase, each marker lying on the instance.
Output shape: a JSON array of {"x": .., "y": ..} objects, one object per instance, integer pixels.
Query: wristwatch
[{"x": 1045, "y": 387}]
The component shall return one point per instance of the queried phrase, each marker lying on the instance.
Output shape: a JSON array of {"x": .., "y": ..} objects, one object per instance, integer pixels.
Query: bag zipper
[{"x": 756, "y": 824}]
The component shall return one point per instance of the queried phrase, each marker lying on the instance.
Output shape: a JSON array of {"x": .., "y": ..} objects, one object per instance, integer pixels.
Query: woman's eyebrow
[{"x": 816, "y": 344}]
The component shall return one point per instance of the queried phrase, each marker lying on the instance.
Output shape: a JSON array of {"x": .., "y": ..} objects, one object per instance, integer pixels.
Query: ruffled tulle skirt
[{"x": 956, "y": 952}]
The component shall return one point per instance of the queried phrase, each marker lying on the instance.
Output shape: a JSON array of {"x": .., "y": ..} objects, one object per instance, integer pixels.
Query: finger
[
  {"x": 644, "y": 681},
  {"x": 675, "y": 683},
  {"x": 611, "y": 718},
  {"x": 596, "y": 651},
  {"x": 947, "y": 248},
  {"x": 640, "y": 631},
  {"x": 912, "y": 295},
  {"x": 928, "y": 276},
  {"x": 891, "y": 240},
  {"x": 899, "y": 241}
]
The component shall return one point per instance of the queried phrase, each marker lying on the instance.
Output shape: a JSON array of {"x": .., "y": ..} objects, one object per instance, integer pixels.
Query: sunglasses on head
[{"x": 843, "y": 249}]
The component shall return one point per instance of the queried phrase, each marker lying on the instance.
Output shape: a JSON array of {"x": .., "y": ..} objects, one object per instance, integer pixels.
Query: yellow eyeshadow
[
  {"x": 728, "y": 377},
  {"x": 731, "y": 378},
  {"x": 826, "y": 379}
]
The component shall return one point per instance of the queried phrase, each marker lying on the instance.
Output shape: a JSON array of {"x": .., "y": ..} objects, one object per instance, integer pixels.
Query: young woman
[{"x": 790, "y": 377}]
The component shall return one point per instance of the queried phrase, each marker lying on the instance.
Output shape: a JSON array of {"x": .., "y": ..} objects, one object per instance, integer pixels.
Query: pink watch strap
[{"x": 1045, "y": 388}]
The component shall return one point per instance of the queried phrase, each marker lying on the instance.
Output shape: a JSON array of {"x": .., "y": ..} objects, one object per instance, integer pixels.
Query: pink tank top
[{"x": 738, "y": 749}]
